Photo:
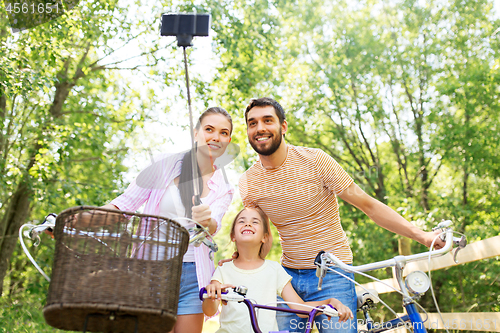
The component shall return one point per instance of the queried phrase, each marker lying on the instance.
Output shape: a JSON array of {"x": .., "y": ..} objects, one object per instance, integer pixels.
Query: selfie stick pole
[
  {"x": 184, "y": 27},
  {"x": 196, "y": 179}
]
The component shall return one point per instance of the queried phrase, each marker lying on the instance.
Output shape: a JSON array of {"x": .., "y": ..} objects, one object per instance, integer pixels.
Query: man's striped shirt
[{"x": 300, "y": 199}]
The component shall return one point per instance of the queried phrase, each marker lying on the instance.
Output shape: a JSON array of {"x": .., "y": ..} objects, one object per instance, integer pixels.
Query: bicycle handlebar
[
  {"x": 323, "y": 258},
  {"x": 448, "y": 237},
  {"x": 197, "y": 236},
  {"x": 238, "y": 295},
  {"x": 393, "y": 261}
]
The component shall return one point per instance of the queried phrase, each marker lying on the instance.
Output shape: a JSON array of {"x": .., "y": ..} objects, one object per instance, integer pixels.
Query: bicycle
[
  {"x": 238, "y": 294},
  {"x": 415, "y": 285},
  {"x": 99, "y": 254}
]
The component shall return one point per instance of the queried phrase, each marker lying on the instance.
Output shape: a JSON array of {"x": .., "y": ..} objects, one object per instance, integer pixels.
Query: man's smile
[{"x": 263, "y": 138}]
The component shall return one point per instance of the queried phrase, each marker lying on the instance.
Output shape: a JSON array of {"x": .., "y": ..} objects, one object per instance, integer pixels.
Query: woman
[{"x": 167, "y": 189}]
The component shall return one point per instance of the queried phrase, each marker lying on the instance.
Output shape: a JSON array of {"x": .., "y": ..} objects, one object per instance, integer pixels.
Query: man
[{"x": 297, "y": 188}]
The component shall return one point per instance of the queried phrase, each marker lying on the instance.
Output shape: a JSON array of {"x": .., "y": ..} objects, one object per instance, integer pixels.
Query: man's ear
[{"x": 284, "y": 127}]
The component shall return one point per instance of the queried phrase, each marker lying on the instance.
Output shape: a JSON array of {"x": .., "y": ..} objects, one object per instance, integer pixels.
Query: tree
[
  {"x": 403, "y": 94},
  {"x": 64, "y": 115}
]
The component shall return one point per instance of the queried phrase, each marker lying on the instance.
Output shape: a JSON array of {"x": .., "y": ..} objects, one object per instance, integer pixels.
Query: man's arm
[{"x": 386, "y": 217}]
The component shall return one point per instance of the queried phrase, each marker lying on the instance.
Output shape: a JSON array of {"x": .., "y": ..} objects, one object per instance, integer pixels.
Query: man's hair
[{"x": 266, "y": 101}]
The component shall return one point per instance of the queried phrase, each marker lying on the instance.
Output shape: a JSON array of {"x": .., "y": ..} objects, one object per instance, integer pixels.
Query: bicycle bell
[
  {"x": 242, "y": 290},
  {"x": 417, "y": 282}
]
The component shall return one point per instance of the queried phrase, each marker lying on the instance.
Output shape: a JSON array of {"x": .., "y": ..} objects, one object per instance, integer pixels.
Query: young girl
[{"x": 264, "y": 279}]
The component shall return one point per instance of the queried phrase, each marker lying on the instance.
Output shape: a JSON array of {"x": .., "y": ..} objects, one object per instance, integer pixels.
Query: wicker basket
[{"x": 113, "y": 271}]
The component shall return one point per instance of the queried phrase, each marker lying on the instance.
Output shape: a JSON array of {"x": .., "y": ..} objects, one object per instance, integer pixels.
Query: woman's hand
[
  {"x": 344, "y": 312},
  {"x": 203, "y": 215}
]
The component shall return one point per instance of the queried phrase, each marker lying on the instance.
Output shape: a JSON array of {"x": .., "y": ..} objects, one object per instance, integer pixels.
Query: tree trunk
[
  {"x": 465, "y": 194},
  {"x": 3, "y": 109},
  {"x": 18, "y": 209},
  {"x": 424, "y": 174},
  {"x": 15, "y": 215}
]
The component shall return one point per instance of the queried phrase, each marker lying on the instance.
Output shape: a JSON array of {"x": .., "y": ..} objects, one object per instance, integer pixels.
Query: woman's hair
[
  {"x": 186, "y": 177},
  {"x": 267, "y": 230}
]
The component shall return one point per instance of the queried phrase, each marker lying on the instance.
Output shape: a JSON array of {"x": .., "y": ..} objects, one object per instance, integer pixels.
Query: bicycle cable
[
  {"x": 359, "y": 285},
  {"x": 396, "y": 290},
  {"x": 293, "y": 303},
  {"x": 430, "y": 280},
  {"x": 149, "y": 237},
  {"x": 302, "y": 305},
  {"x": 28, "y": 254}
]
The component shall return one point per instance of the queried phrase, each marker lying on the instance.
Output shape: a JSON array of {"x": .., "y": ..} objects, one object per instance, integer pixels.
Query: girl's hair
[
  {"x": 186, "y": 177},
  {"x": 265, "y": 222}
]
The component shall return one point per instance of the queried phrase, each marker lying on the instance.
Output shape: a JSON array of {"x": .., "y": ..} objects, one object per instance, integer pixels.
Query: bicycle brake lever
[
  {"x": 462, "y": 243},
  {"x": 211, "y": 245},
  {"x": 200, "y": 238},
  {"x": 320, "y": 269}
]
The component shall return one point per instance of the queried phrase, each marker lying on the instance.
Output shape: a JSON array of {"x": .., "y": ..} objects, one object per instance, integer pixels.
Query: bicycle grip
[
  {"x": 330, "y": 311},
  {"x": 203, "y": 293}
]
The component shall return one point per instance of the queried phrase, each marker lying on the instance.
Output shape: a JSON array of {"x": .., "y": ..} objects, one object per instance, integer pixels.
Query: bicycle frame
[
  {"x": 253, "y": 316},
  {"x": 412, "y": 317},
  {"x": 240, "y": 297}
]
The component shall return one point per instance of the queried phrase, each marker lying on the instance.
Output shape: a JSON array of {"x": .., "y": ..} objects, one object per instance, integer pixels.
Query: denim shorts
[
  {"x": 189, "y": 301},
  {"x": 305, "y": 283}
]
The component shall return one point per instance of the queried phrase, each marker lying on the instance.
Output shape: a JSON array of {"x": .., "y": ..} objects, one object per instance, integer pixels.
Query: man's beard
[{"x": 275, "y": 144}]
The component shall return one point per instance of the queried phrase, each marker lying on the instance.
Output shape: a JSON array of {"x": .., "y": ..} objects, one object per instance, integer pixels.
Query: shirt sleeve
[
  {"x": 331, "y": 173},
  {"x": 243, "y": 187},
  {"x": 140, "y": 188},
  {"x": 218, "y": 275},
  {"x": 133, "y": 198},
  {"x": 219, "y": 208}
]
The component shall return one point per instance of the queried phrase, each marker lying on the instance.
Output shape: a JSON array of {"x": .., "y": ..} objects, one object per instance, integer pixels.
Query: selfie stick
[
  {"x": 184, "y": 27},
  {"x": 196, "y": 179}
]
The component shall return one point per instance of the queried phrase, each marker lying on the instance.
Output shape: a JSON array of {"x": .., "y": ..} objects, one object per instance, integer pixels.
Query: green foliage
[{"x": 404, "y": 95}]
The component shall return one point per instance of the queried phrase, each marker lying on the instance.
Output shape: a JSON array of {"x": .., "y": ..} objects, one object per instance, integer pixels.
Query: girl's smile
[{"x": 249, "y": 227}]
